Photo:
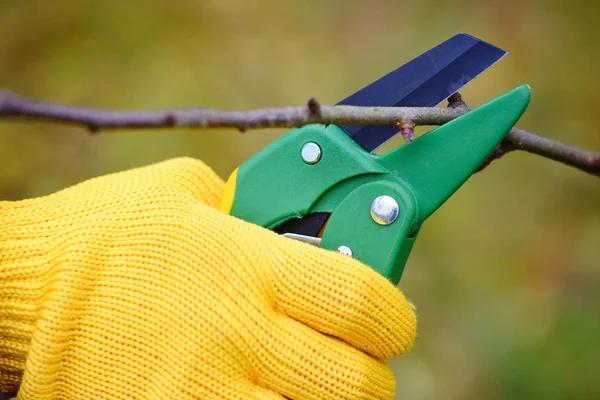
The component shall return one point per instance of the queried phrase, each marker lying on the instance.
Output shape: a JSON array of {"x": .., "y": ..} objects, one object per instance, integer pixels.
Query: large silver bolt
[
  {"x": 384, "y": 210},
  {"x": 345, "y": 250},
  {"x": 311, "y": 153}
]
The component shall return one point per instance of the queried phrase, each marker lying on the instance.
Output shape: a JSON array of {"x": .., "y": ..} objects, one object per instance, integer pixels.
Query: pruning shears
[{"x": 322, "y": 183}]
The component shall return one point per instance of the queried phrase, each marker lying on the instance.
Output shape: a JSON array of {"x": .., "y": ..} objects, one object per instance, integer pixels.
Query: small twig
[
  {"x": 407, "y": 129},
  {"x": 406, "y": 118},
  {"x": 314, "y": 107},
  {"x": 456, "y": 101}
]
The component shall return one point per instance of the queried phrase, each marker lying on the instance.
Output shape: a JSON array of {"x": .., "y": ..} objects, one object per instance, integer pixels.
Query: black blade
[
  {"x": 425, "y": 81},
  {"x": 309, "y": 225}
]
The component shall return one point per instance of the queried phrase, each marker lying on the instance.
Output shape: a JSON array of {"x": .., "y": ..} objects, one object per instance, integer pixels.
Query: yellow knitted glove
[{"x": 134, "y": 286}]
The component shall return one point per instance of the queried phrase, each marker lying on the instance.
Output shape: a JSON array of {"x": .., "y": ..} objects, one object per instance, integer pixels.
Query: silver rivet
[
  {"x": 311, "y": 153},
  {"x": 345, "y": 250},
  {"x": 384, "y": 210}
]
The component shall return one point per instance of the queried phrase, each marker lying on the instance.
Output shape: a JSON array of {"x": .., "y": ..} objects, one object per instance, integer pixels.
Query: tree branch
[
  {"x": 584, "y": 160},
  {"x": 12, "y": 105},
  {"x": 96, "y": 120}
]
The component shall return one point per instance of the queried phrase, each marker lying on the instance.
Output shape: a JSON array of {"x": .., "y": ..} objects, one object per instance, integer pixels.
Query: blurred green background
[{"x": 505, "y": 276}]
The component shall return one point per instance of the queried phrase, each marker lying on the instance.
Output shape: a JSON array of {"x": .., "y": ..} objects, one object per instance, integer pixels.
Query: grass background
[{"x": 506, "y": 275}]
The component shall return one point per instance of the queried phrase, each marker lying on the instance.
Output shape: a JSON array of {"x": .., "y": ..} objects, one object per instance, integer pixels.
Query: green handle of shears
[{"x": 276, "y": 185}]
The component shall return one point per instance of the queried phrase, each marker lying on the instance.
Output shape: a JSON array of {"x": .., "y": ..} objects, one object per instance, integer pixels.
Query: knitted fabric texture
[{"x": 134, "y": 286}]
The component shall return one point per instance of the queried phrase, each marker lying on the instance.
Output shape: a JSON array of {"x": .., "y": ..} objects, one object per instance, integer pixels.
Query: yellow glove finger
[
  {"x": 302, "y": 363},
  {"x": 346, "y": 299}
]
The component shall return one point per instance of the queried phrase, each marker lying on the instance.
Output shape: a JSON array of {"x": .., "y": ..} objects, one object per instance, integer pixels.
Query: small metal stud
[
  {"x": 345, "y": 250},
  {"x": 384, "y": 210},
  {"x": 311, "y": 153}
]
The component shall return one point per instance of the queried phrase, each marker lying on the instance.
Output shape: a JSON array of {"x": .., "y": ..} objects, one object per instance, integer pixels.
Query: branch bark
[
  {"x": 95, "y": 120},
  {"x": 12, "y": 105},
  {"x": 584, "y": 160}
]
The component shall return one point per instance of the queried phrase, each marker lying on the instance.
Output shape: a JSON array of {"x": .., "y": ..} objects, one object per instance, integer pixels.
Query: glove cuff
[{"x": 25, "y": 237}]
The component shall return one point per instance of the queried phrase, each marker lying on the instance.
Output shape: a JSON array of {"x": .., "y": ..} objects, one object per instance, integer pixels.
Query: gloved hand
[{"x": 134, "y": 285}]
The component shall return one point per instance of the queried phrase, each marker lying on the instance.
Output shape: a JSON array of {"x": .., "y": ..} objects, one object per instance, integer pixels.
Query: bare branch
[
  {"x": 584, "y": 160},
  {"x": 518, "y": 139},
  {"x": 96, "y": 120},
  {"x": 406, "y": 118}
]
